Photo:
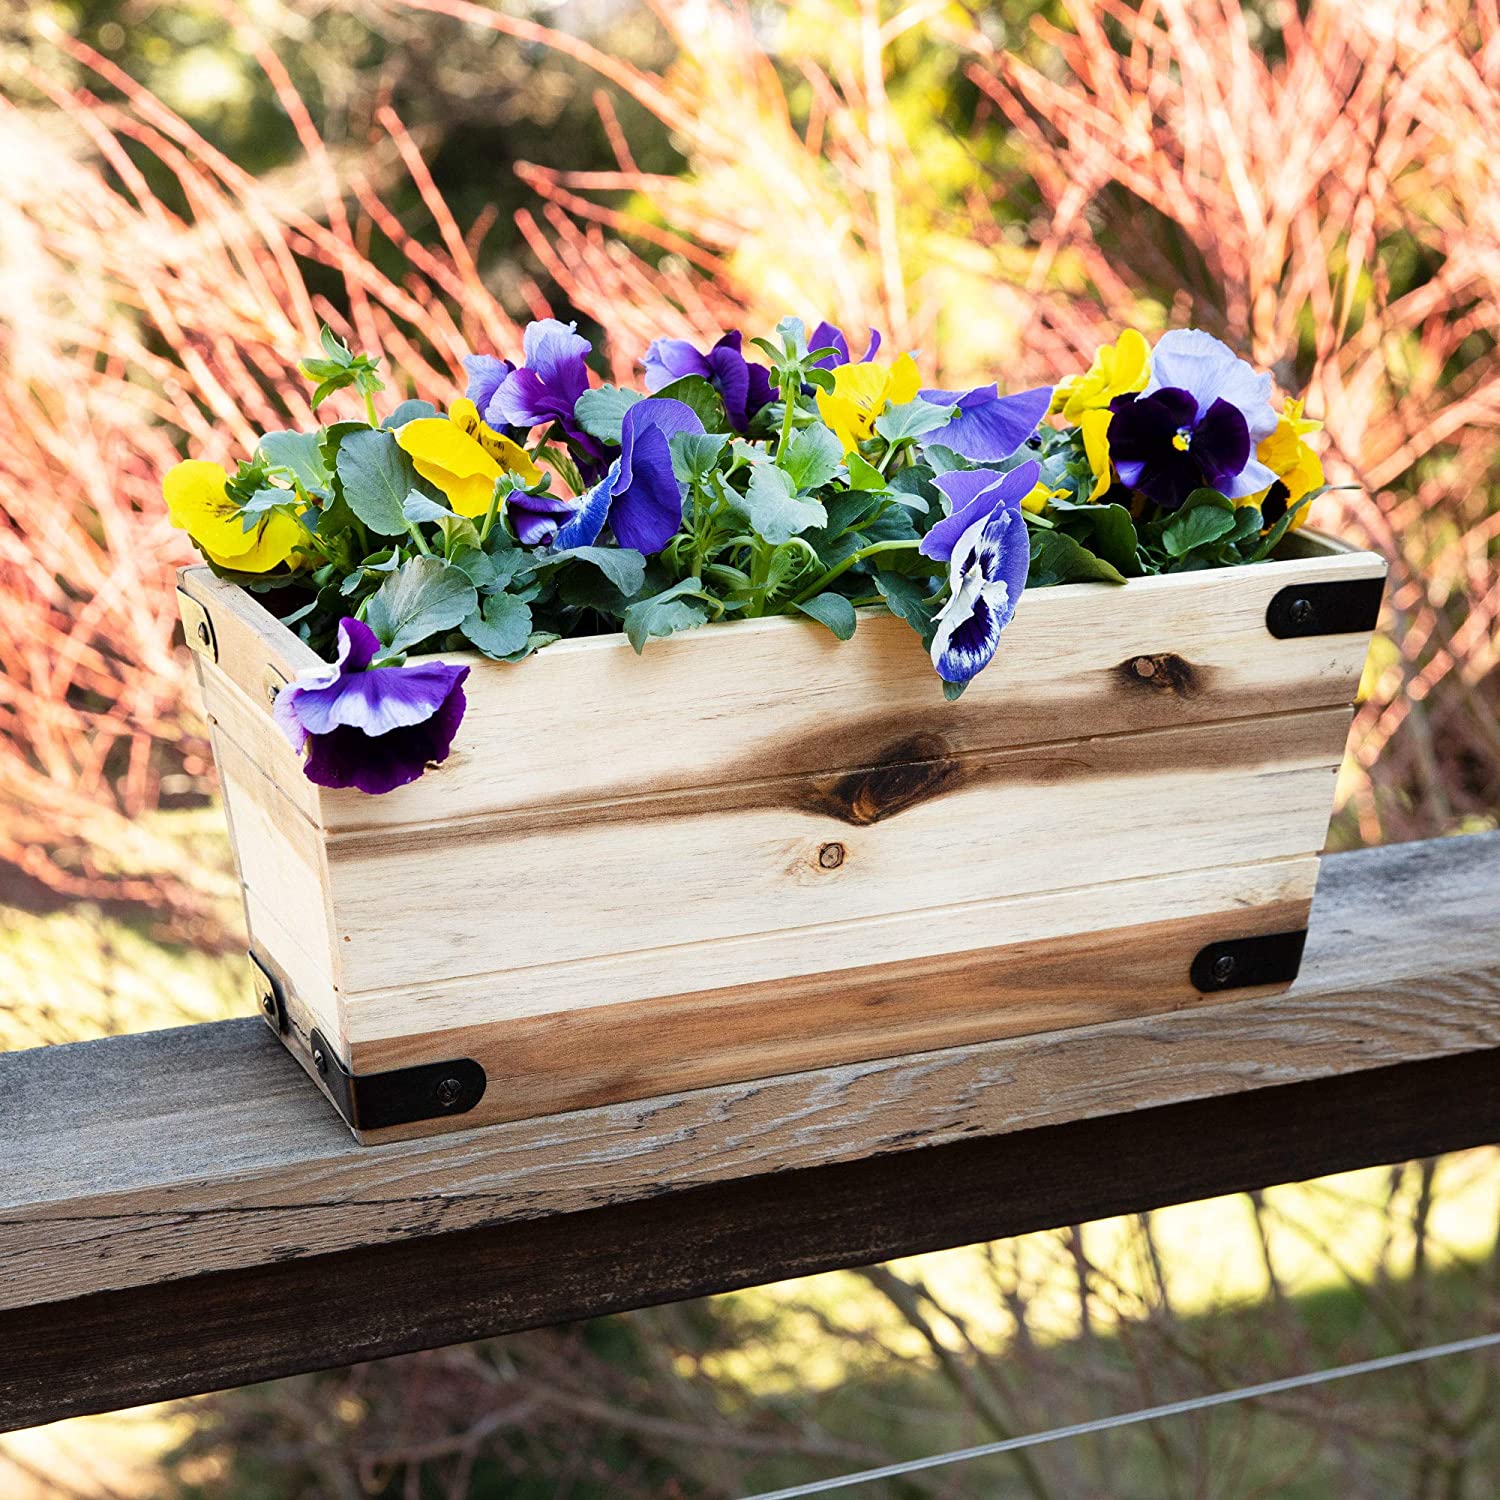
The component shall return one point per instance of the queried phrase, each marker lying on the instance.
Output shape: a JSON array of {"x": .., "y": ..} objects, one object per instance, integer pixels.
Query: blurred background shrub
[{"x": 190, "y": 188}]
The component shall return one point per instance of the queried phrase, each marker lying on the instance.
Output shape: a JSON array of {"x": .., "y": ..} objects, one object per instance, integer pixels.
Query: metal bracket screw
[
  {"x": 1223, "y": 969},
  {"x": 449, "y": 1092},
  {"x": 1302, "y": 613},
  {"x": 320, "y": 1061}
]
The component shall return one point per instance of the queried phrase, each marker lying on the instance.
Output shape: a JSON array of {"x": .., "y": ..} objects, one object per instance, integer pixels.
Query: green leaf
[
  {"x": 953, "y": 691},
  {"x": 1114, "y": 536},
  {"x": 301, "y": 455},
  {"x": 812, "y": 457},
  {"x": 944, "y": 460},
  {"x": 377, "y": 477},
  {"x": 664, "y": 613},
  {"x": 898, "y": 424},
  {"x": 499, "y": 627},
  {"x": 409, "y": 411},
  {"x": 623, "y": 566},
  {"x": 907, "y": 598},
  {"x": 1196, "y": 527},
  {"x": 423, "y": 598},
  {"x": 863, "y": 475},
  {"x": 772, "y": 506},
  {"x": 418, "y": 507},
  {"x": 1057, "y": 557},
  {"x": 695, "y": 455},
  {"x": 601, "y": 410},
  {"x": 832, "y": 610},
  {"x": 696, "y": 392}
]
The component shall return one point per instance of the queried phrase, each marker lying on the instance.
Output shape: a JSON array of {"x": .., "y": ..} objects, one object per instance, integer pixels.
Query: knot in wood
[
  {"x": 1161, "y": 672},
  {"x": 831, "y": 856}
]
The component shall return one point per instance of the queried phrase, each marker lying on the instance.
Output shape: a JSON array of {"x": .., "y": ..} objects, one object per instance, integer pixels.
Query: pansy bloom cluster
[{"x": 750, "y": 478}]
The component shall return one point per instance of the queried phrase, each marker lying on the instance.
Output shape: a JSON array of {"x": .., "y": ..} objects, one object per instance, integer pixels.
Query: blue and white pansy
[{"x": 984, "y": 541}]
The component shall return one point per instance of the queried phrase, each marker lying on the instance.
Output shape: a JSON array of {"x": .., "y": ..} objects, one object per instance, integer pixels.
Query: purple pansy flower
[
  {"x": 486, "y": 372},
  {"x": 536, "y": 519},
  {"x": 826, "y": 336},
  {"x": 640, "y": 496},
  {"x": 985, "y": 543},
  {"x": 988, "y": 426},
  {"x": 745, "y": 387},
  {"x": 1197, "y": 423},
  {"x": 546, "y": 386},
  {"x": 375, "y": 728}
]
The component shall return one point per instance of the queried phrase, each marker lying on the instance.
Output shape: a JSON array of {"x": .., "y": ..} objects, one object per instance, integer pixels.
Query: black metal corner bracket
[
  {"x": 1240, "y": 963},
  {"x": 269, "y": 996},
  {"x": 1343, "y": 607},
  {"x": 398, "y": 1096}
]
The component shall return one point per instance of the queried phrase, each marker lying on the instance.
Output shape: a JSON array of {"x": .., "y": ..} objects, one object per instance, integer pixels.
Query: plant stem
[
  {"x": 789, "y": 392},
  {"x": 490, "y": 514},
  {"x": 416, "y": 536},
  {"x": 370, "y": 411},
  {"x": 849, "y": 562}
]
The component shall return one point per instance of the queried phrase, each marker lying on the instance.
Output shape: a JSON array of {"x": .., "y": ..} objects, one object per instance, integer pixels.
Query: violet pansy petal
[
  {"x": 731, "y": 377},
  {"x": 588, "y": 519},
  {"x": 358, "y": 645},
  {"x": 975, "y": 495},
  {"x": 826, "y": 336},
  {"x": 1197, "y": 362},
  {"x": 556, "y": 351},
  {"x": 1005, "y": 549},
  {"x": 758, "y": 393},
  {"x": 647, "y": 511},
  {"x": 1221, "y": 442},
  {"x": 486, "y": 372},
  {"x": 379, "y": 700},
  {"x": 381, "y": 763},
  {"x": 989, "y": 426},
  {"x": 536, "y": 519},
  {"x": 671, "y": 359}
]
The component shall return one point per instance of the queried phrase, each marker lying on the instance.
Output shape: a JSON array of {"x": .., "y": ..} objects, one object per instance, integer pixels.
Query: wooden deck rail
[{"x": 181, "y": 1211}]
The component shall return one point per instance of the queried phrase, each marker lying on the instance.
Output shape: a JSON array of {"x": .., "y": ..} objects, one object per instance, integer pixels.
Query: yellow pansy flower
[
  {"x": 1286, "y": 454},
  {"x": 198, "y": 501},
  {"x": 463, "y": 456},
  {"x": 1118, "y": 369},
  {"x": 861, "y": 392},
  {"x": 1094, "y": 425}
]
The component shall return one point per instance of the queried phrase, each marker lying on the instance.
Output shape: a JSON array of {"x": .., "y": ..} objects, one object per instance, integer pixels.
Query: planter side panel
[
  {"x": 729, "y": 704},
  {"x": 682, "y": 871}
]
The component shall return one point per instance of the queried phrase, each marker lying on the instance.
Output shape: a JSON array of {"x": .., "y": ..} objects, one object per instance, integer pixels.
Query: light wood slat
[
  {"x": 766, "y": 958},
  {"x": 698, "y": 867},
  {"x": 586, "y": 720},
  {"x": 605, "y": 1054},
  {"x": 139, "y": 1160}
]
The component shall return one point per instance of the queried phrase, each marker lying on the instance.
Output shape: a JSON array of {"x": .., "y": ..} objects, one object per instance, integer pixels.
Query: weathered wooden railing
[{"x": 181, "y": 1211}]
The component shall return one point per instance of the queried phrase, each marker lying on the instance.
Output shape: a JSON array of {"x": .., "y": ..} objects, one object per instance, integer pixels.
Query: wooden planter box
[{"x": 756, "y": 850}]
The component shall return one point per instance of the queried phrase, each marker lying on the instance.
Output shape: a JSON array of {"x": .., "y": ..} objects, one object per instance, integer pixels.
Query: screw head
[
  {"x": 320, "y": 1062},
  {"x": 1223, "y": 969},
  {"x": 449, "y": 1092},
  {"x": 831, "y": 856},
  {"x": 1302, "y": 613},
  {"x": 268, "y": 1003},
  {"x": 203, "y": 634}
]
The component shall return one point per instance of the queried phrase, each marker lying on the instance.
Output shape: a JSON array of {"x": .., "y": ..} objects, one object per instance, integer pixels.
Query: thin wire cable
[{"x": 1129, "y": 1418}]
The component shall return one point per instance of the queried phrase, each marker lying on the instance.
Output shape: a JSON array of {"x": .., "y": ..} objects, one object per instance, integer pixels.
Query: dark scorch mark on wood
[
  {"x": 909, "y": 772},
  {"x": 1165, "y": 672}
]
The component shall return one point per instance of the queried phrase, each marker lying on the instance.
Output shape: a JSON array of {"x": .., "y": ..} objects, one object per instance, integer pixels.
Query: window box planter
[{"x": 756, "y": 850}]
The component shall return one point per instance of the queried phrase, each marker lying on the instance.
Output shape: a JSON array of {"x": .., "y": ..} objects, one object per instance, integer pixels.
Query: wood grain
[
  {"x": 689, "y": 868},
  {"x": 174, "y": 1339},
  {"x": 741, "y": 964},
  {"x": 604, "y": 1054},
  {"x": 781, "y": 692},
  {"x": 147, "y": 1159}
]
